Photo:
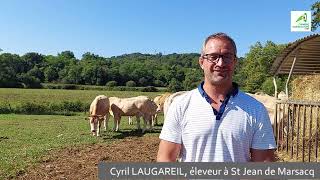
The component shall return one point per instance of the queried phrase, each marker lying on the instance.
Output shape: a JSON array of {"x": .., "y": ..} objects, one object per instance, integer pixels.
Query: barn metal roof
[{"x": 307, "y": 53}]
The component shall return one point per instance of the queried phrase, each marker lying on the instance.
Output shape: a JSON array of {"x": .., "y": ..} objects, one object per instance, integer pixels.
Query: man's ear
[
  {"x": 236, "y": 60},
  {"x": 201, "y": 62}
]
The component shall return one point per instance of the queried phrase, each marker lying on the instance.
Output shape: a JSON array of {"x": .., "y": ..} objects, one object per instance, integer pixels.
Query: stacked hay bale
[{"x": 306, "y": 87}]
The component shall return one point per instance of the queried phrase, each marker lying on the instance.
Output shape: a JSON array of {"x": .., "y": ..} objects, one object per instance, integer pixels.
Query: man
[{"x": 216, "y": 122}]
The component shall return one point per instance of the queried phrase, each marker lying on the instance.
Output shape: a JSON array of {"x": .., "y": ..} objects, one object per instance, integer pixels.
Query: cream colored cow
[
  {"x": 169, "y": 100},
  {"x": 140, "y": 106},
  {"x": 159, "y": 100},
  {"x": 99, "y": 111}
]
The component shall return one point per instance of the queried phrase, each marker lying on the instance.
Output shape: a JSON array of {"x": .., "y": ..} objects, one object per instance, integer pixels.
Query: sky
[{"x": 115, "y": 27}]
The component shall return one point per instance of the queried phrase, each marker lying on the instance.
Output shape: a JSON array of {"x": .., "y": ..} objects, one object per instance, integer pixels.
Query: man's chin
[{"x": 220, "y": 80}]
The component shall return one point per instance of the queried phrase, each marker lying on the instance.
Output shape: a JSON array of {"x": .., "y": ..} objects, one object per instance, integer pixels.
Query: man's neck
[{"x": 217, "y": 92}]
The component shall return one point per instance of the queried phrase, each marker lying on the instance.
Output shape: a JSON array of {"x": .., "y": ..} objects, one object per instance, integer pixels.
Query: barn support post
[
  {"x": 275, "y": 87},
  {"x": 291, "y": 70}
]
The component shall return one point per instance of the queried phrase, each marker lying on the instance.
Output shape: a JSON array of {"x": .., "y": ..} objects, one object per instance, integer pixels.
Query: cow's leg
[
  {"x": 150, "y": 117},
  {"x": 106, "y": 120},
  {"x": 99, "y": 126},
  {"x": 155, "y": 119},
  {"x": 117, "y": 119},
  {"x": 146, "y": 118},
  {"x": 130, "y": 120},
  {"x": 138, "y": 121}
]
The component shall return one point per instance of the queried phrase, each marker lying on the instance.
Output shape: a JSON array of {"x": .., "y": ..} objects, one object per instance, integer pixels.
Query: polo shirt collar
[
  {"x": 219, "y": 113},
  {"x": 233, "y": 93}
]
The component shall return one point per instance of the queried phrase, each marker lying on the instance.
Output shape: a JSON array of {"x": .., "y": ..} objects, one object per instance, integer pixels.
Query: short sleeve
[
  {"x": 263, "y": 137},
  {"x": 171, "y": 130}
]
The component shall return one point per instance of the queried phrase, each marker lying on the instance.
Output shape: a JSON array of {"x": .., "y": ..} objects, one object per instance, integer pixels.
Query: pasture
[
  {"x": 28, "y": 142},
  {"x": 18, "y": 96}
]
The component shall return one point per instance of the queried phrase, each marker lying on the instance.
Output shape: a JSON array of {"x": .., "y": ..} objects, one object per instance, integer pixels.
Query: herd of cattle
[{"x": 142, "y": 106}]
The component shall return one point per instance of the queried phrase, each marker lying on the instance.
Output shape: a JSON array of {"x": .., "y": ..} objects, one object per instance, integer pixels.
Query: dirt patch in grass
[{"x": 82, "y": 162}]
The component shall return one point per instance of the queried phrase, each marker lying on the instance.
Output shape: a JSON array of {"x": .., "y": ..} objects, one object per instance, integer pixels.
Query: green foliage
[
  {"x": 149, "y": 89},
  {"x": 31, "y": 108},
  {"x": 5, "y": 108},
  {"x": 254, "y": 69},
  {"x": 111, "y": 84},
  {"x": 29, "y": 81},
  {"x": 192, "y": 79},
  {"x": 131, "y": 84},
  {"x": 315, "y": 23},
  {"x": 10, "y": 66},
  {"x": 158, "y": 83},
  {"x": 68, "y": 86},
  {"x": 268, "y": 87},
  {"x": 91, "y": 69},
  {"x": 143, "y": 81},
  {"x": 174, "y": 85},
  {"x": 119, "y": 73}
]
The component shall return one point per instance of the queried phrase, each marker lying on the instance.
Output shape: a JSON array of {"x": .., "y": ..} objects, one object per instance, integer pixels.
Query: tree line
[{"x": 175, "y": 71}]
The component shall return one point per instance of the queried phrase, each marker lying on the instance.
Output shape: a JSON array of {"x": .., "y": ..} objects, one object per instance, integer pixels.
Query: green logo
[{"x": 302, "y": 18}]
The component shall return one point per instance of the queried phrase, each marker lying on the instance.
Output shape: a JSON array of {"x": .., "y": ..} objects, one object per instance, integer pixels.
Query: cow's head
[
  {"x": 159, "y": 109},
  {"x": 93, "y": 121}
]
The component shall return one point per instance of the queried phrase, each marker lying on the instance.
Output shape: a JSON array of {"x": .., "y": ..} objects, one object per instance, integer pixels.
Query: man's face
[{"x": 218, "y": 61}]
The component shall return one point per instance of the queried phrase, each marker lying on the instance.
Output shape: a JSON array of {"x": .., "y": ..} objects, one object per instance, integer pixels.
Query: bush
[
  {"x": 143, "y": 81},
  {"x": 158, "y": 83},
  {"x": 111, "y": 84},
  {"x": 76, "y": 106},
  {"x": 32, "y": 108},
  {"x": 29, "y": 81},
  {"x": 65, "y": 108},
  {"x": 175, "y": 86},
  {"x": 149, "y": 89},
  {"x": 268, "y": 87},
  {"x": 5, "y": 109},
  {"x": 68, "y": 86},
  {"x": 131, "y": 84}
]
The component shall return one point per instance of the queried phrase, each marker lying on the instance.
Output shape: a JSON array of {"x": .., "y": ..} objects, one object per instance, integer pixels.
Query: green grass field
[
  {"x": 18, "y": 96},
  {"x": 24, "y": 139}
]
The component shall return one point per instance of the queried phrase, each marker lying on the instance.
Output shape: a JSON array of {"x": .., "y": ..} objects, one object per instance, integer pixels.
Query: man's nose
[{"x": 220, "y": 61}]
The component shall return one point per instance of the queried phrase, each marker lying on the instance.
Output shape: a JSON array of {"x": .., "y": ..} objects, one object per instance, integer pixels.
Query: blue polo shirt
[{"x": 219, "y": 113}]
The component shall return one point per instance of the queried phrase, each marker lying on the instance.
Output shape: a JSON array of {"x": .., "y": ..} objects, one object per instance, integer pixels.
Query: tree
[
  {"x": 71, "y": 75},
  {"x": 67, "y": 54},
  {"x": 10, "y": 66},
  {"x": 315, "y": 23},
  {"x": 143, "y": 81},
  {"x": 33, "y": 59},
  {"x": 37, "y": 73},
  {"x": 192, "y": 79},
  {"x": 174, "y": 85},
  {"x": 111, "y": 84},
  {"x": 256, "y": 65},
  {"x": 51, "y": 74},
  {"x": 131, "y": 84},
  {"x": 29, "y": 81}
]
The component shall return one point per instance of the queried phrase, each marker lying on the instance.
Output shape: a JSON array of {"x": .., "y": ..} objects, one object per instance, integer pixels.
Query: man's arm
[
  {"x": 168, "y": 151},
  {"x": 265, "y": 155}
]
